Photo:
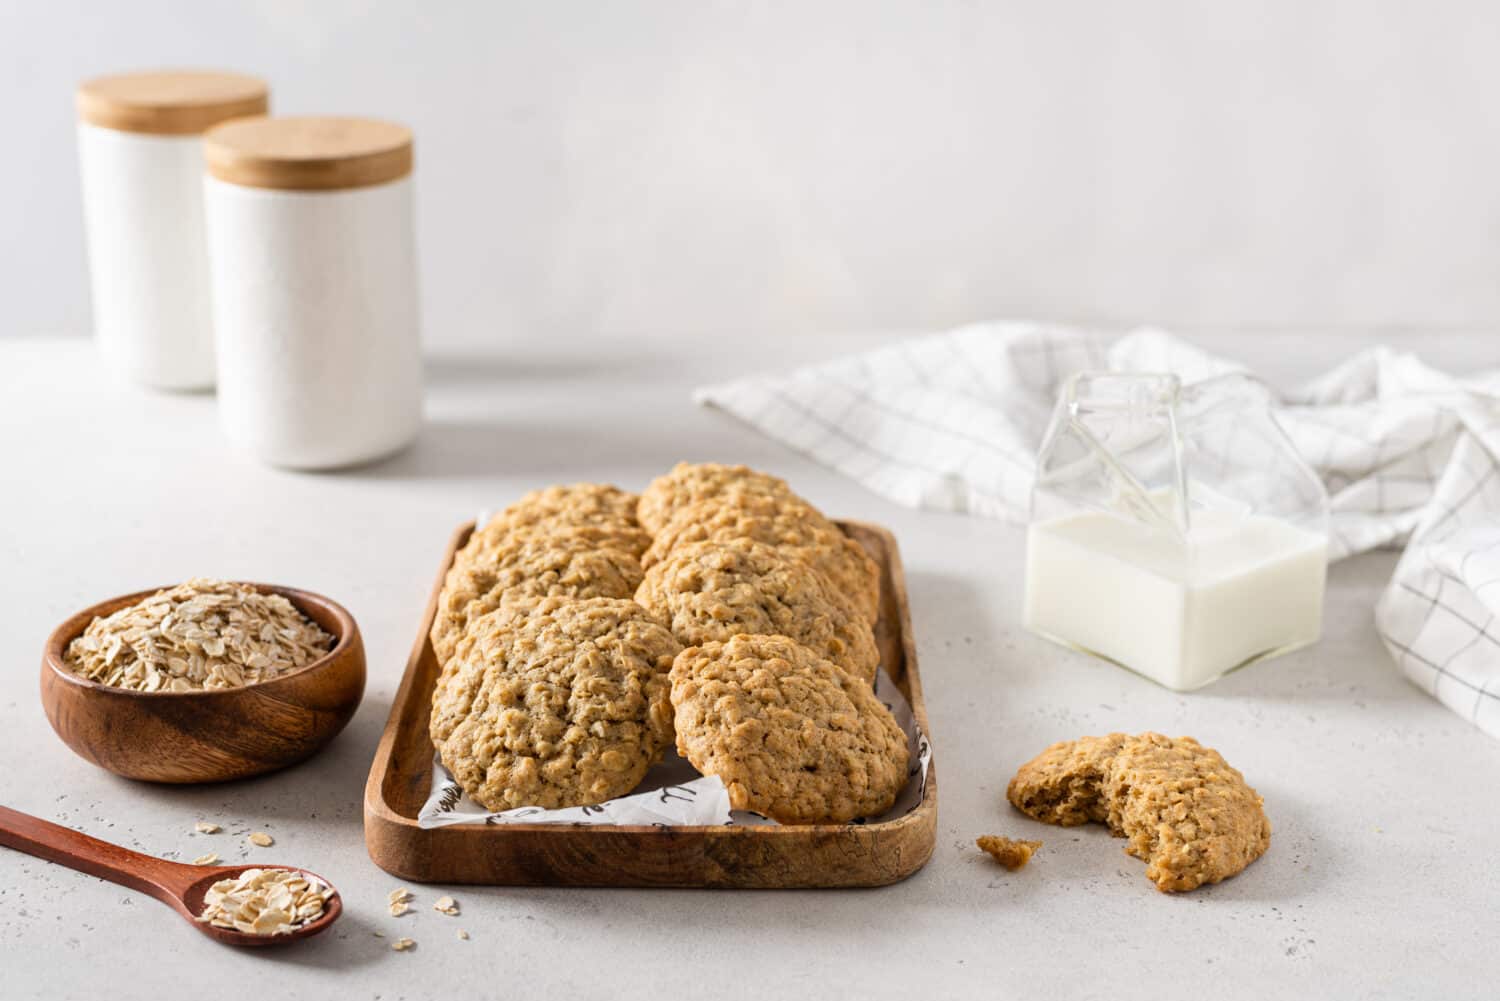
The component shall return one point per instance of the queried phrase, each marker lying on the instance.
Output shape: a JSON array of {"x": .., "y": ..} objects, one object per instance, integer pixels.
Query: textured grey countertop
[{"x": 1381, "y": 880}]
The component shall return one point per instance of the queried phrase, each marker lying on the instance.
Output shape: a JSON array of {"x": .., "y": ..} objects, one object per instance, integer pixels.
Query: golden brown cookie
[
  {"x": 567, "y": 706},
  {"x": 1188, "y": 814},
  {"x": 1009, "y": 852},
  {"x": 521, "y": 565},
  {"x": 689, "y": 482},
  {"x": 598, "y": 511},
  {"x": 792, "y": 736},
  {"x": 791, "y": 525},
  {"x": 715, "y": 590}
]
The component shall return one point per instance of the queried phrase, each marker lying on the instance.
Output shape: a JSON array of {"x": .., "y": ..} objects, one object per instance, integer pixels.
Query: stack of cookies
[{"x": 584, "y": 630}]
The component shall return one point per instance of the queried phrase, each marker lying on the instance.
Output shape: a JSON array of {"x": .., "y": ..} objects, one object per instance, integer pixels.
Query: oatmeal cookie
[
  {"x": 715, "y": 590},
  {"x": 562, "y": 563},
  {"x": 690, "y": 482},
  {"x": 1009, "y": 852},
  {"x": 1187, "y": 814},
  {"x": 598, "y": 511},
  {"x": 792, "y": 526},
  {"x": 792, "y": 736},
  {"x": 567, "y": 706}
]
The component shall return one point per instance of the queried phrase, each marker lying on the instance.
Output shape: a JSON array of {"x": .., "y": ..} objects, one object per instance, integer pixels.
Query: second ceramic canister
[{"x": 313, "y": 262}]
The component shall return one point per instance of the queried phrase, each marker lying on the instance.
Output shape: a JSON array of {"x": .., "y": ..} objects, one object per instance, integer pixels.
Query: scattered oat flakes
[
  {"x": 399, "y": 908},
  {"x": 400, "y": 895},
  {"x": 204, "y": 634},
  {"x": 1009, "y": 852},
  {"x": 209, "y": 859},
  {"x": 265, "y": 901},
  {"x": 378, "y": 934},
  {"x": 446, "y": 905},
  {"x": 463, "y": 934},
  {"x": 403, "y": 944},
  {"x": 204, "y": 827},
  {"x": 261, "y": 839}
]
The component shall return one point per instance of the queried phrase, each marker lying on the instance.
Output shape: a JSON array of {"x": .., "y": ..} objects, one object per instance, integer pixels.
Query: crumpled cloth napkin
[{"x": 1410, "y": 457}]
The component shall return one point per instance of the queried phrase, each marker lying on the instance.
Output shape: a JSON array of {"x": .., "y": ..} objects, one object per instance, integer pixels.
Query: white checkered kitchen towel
[{"x": 1410, "y": 457}]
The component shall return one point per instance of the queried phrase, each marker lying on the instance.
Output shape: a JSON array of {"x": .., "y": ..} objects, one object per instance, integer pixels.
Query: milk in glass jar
[{"x": 1174, "y": 528}]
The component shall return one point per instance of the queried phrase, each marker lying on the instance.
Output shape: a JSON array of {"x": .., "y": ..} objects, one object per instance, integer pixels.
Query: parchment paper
[{"x": 672, "y": 794}]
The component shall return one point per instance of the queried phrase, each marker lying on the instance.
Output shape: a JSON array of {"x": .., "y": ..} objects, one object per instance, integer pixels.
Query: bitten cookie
[
  {"x": 689, "y": 482},
  {"x": 1187, "y": 814},
  {"x": 715, "y": 590},
  {"x": 790, "y": 525},
  {"x": 597, "y": 511},
  {"x": 563, "y": 563},
  {"x": 567, "y": 706},
  {"x": 792, "y": 736}
]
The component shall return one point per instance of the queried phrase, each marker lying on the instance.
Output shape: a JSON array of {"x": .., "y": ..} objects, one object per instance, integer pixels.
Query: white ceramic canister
[
  {"x": 140, "y": 147},
  {"x": 313, "y": 257}
]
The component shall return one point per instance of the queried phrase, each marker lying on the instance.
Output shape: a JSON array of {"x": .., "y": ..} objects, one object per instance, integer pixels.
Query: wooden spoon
[{"x": 179, "y": 886}]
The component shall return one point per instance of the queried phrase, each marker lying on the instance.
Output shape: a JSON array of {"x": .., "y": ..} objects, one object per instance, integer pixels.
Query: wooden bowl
[{"x": 214, "y": 735}]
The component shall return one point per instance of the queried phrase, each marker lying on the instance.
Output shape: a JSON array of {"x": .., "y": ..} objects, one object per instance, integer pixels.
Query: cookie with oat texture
[
  {"x": 688, "y": 482},
  {"x": 1187, "y": 813},
  {"x": 791, "y": 735},
  {"x": 602, "y": 513},
  {"x": 790, "y": 525},
  {"x": 566, "y": 706},
  {"x": 524, "y": 566},
  {"x": 716, "y": 590}
]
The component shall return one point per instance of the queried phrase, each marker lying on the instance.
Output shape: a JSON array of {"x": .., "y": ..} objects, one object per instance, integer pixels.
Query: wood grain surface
[
  {"x": 176, "y": 884},
  {"x": 213, "y": 735},
  {"x": 170, "y": 102},
  {"x": 820, "y": 855},
  {"x": 308, "y": 154}
]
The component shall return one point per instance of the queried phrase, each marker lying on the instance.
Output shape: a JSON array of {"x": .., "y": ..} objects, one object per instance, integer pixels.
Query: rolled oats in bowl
[{"x": 204, "y": 634}]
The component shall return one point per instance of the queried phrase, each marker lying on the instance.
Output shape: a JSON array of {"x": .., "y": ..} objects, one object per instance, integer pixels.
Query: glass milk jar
[{"x": 1174, "y": 529}]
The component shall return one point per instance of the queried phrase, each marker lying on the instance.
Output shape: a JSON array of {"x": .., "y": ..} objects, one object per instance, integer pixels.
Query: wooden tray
[{"x": 716, "y": 856}]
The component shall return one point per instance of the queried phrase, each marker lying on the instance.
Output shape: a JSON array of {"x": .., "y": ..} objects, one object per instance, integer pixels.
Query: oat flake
[
  {"x": 265, "y": 901},
  {"x": 205, "y": 634}
]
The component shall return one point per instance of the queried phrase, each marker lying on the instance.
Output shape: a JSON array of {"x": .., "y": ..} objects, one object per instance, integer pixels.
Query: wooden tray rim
[{"x": 377, "y": 810}]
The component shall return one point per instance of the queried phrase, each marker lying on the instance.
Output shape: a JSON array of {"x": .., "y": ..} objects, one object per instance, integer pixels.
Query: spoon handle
[{"x": 55, "y": 843}]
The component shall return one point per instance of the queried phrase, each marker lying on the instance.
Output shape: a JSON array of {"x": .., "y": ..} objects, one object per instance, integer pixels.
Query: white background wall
[{"x": 766, "y": 167}]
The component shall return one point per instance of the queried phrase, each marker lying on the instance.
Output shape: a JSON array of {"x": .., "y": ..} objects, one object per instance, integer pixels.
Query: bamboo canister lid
[
  {"x": 170, "y": 102},
  {"x": 308, "y": 154}
]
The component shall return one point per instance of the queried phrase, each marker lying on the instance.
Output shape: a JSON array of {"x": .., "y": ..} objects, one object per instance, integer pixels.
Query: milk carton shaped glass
[{"x": 1174, "y": 529}]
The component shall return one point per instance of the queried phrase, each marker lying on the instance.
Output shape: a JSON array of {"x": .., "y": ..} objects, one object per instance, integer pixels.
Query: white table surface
[{"x": 1381, "y": 880}]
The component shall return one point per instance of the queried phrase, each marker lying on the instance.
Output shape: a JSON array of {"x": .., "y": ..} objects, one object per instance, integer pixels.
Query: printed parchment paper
[{"x": 672, "y": 794}]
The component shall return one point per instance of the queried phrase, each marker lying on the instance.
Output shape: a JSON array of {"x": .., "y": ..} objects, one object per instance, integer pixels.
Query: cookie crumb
[
  {"x": 1009, "y": 852},
  {"x": 261, "y": 839}
]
